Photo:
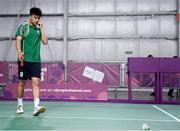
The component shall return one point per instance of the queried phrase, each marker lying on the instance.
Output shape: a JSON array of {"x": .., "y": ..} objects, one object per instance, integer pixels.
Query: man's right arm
[{"x": 18, "y": 47}]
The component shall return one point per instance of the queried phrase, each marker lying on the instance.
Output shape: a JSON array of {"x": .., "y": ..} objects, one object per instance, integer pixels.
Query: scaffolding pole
[
  {"x": 65, "y": 39},
  {"x": 178, "y": 27}
]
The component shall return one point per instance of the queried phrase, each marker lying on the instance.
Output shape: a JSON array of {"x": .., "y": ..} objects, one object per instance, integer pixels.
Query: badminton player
[{"x": 29, "y": 61}]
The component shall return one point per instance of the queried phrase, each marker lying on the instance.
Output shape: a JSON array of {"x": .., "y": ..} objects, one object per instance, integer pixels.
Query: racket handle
[{"x": 22, "y": 62}]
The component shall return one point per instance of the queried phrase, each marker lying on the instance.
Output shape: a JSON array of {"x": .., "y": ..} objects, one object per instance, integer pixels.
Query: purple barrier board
[
  {"x": 62, "y": 91},
  {"x": 143, "y": 64},
  {"x": 142, "y": 80},
  {"x": 171, "y": 80},
  {"x": 170, "y": 69},
  {"x": 142, "y": 71},
  {"x": 3, "y": 73},
  {"x": 53, "y": 87},
  {"x": 111, "y": 73},
  {"x": 170, "y": 65}
]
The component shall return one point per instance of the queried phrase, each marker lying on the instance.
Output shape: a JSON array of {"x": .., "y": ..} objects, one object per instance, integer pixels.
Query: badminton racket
[{"x": 24, "y": 30}]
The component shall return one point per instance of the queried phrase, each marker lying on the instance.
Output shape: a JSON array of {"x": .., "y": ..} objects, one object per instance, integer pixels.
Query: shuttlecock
[{"x": 145, "y": 127}]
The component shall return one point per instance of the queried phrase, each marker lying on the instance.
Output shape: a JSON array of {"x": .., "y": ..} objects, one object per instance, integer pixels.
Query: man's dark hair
[
  {"x": 35, "y": 11},
  {"x": 150, "y": 56},
  {"x": 175, "y": 56}
]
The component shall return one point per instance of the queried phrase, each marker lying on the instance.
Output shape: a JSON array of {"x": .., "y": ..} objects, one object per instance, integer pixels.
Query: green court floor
[{"x": 90, "y": 116}]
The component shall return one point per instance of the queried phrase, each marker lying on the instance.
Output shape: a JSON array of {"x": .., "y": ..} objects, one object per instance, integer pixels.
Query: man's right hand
[{"x": 21, "y": 56}]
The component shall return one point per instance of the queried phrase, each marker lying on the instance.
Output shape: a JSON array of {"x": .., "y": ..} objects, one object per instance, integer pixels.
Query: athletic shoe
[
  {"x": 19, "y": 110},
  {"x": 152, "y": 94},
  {"x": 170, "y": 95},
  {"x": 38, "y": 110}
]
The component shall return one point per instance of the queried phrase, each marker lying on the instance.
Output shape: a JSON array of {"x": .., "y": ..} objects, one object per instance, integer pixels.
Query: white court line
[
  {"x": 178, "y": 120},
  {"x": 83, "y": 118}
]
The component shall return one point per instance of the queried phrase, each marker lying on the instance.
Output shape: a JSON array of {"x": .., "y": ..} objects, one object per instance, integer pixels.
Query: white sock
[
  {"x": 36, "y": 102},
  {"x": 20, "y": 101}
]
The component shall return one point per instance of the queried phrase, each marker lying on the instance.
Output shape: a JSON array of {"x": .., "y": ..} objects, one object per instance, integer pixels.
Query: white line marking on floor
[
  {"x": 178, "y": 120},
  {"x": 84, "y": 118}
]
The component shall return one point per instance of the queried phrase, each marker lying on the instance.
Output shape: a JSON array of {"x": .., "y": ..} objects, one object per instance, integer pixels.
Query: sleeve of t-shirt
[{"x": 18, "y": 31}]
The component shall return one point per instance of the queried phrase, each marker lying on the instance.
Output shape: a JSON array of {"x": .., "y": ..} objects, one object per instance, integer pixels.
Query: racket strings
[{"x": 24, "y": 29}]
